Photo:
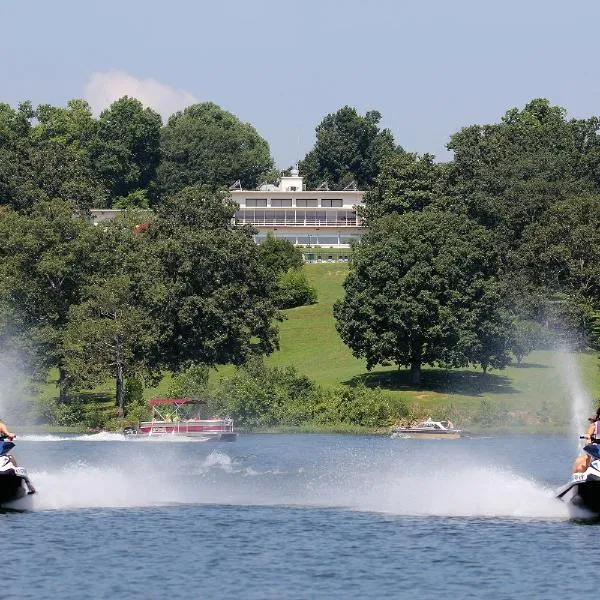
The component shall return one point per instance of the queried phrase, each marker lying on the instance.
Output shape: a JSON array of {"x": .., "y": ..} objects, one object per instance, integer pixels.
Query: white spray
[{"x": 580, "y": 403}]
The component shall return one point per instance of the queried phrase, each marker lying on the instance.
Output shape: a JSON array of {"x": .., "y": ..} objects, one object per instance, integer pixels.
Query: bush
[
  {"x": 295, "y": 290},
  {"x": 360, "y": 405},
  {"x": 133, "y": 394},
  {"x": 279, "y": 255},
  {"x": 69, "y": 414},
  {"x": 190, "y": 383},
  {"x": 260, "y": 396}
]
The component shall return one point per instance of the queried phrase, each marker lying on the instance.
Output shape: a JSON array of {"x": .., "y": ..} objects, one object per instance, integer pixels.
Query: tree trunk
[
  {"x": 63, "y": 395},
  {"x": 415, "y": 372},
  {"x": 120, "y": 390}
]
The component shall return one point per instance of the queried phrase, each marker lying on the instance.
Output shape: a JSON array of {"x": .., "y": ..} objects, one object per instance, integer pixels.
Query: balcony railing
[{"x": 298, "y": 223}]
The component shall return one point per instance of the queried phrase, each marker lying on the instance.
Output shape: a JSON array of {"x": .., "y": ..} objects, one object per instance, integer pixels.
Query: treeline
[
  {"x": 469, "y": 262},
  {"x": 484, "y": 257}
]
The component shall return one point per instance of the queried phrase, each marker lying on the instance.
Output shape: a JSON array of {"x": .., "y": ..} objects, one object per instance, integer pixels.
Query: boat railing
[{"x": 182, "y": 426}]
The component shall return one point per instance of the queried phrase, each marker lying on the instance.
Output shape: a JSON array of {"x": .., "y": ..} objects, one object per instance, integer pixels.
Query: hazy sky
[{"x": 430, "y": 67}]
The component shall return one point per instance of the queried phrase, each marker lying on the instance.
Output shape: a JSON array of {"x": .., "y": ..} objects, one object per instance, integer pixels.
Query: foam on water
[
  {"x": 461, "y": 492},
  {"x": 455, "y": 491}
]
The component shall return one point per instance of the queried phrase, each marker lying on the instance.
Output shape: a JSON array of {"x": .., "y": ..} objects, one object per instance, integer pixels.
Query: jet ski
[
  {"x": 14, "y": 482},
  {"x": 583, "y": 490}
]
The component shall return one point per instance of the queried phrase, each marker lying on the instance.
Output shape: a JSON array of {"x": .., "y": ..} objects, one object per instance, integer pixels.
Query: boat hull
[
  {"x": 12, "y": 487},
  {"x": 427, "y": 435},
  {"x": 194, "y": 430},
  {"x": 584, "y": 494}
]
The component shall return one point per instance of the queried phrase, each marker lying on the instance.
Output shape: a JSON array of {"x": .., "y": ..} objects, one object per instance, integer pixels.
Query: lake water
[{"x": 296, "y": 516}]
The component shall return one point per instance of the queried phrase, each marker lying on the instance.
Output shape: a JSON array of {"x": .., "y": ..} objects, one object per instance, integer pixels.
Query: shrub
[
  {"x": 295, "y": 290},
  {"x": 190, "y": 382}
]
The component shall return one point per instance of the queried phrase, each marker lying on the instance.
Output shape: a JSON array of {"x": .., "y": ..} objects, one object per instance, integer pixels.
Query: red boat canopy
[{"x": 156, "y": 401}]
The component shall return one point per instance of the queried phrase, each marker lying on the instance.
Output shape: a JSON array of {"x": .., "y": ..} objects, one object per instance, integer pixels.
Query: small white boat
[
  {"x": 179, "y": 417},
  {"x": 428, "y": 430}
]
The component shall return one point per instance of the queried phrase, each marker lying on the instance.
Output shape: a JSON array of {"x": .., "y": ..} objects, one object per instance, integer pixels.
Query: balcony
[{"x": 297, "y": 223}]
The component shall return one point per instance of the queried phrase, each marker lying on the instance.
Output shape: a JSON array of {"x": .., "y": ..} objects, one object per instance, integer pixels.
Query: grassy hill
[{"x": 537, "y": 390}]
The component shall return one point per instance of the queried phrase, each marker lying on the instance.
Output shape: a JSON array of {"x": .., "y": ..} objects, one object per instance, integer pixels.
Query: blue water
[{"x": 296, "y": 516}]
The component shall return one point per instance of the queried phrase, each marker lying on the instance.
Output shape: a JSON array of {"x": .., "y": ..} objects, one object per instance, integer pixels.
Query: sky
[{"x": 429, "y": 67}]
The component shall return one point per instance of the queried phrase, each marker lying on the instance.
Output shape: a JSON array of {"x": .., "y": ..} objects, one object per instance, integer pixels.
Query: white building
[{"x": 323, "y": 222}]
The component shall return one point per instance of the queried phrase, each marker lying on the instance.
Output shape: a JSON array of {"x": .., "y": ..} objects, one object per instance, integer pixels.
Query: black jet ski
[
  {"x": 583, "y": 490},
  {"x": 14, "y": 482}
]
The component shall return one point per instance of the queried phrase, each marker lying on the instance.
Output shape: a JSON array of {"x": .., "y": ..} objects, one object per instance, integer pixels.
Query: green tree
[
  {"x": 126, "y": 151},
  {"x": 561, "y": 255},
  {"x": 206, "y": 145},
  {"x": 58, "y": 161},
  {"x": 525, "y": 338},
  {"x": 279, "y": 255},
  {"x": 422, "y": 289},
  {"x": 44, "y": 155},
  {"x": 348, "y": 148},
  {"x": 214, "y": 298},
  {"x": 509, "y": 173},
  {"x": 46, "y": 258},
  {"x": 406, "y": 182},
  {"x": 295, "y": 289},
  {"x": 108, "y": 336}
]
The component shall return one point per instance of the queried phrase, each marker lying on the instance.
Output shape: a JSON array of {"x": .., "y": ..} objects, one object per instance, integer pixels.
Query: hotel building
[{"x": 321, "y": 222}]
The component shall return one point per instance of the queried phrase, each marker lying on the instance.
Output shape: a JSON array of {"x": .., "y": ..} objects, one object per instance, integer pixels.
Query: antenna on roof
[
  {"x": 236, "y": 186},
  {"x": 351, "y": 187},
  {"x": 323, "y": 187}
]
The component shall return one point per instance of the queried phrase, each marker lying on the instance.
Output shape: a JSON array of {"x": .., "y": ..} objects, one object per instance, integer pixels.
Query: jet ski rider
[
  {"x": 5, "y": 433},
  {"x": 592, "y": 436}
]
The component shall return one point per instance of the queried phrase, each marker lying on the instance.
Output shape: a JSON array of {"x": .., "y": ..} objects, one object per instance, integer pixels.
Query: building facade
[{"x": 322, "y": 222}]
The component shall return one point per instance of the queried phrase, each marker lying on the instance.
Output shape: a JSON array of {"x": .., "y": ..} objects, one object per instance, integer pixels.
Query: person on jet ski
[
  {"x": 5, "y": 433},
  {"x": 592, "y": 436}
]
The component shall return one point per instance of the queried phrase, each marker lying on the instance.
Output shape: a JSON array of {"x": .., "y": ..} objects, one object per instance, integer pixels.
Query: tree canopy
[
  {"x": 508, "y": 174},
  {"x": 214, "y": 299},
  {"x": 349, "y": 147},
  {"x": 422, "y": 289},
  {"x": 206, "y": 145}
]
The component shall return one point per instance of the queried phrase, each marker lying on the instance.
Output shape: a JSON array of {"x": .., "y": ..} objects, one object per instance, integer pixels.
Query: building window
[
  {"x": 304, "y": 202},
  {"x": 328, "y": 239},
  {"x": 256, "y": 202},
  {"x": 281, "y": 202},
  {"x": 331, "y": 203}
]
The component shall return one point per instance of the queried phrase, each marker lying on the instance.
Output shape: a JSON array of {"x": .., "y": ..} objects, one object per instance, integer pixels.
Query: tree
[
  {"x": 46, "y": 258},
  {"x": 561, "y": 255},
  {"x": 349, "y": 148},
  {"x": 126, "y": 151},
  {"x": 15, "y": 125},
  {"x": 422, "y": 289},
  {"x": 111, "y": 333},
  {"x": 206, "y": 145},
  {"x": 108, "y": 336},
  {"x": 406, "y": 182},
  {"x": 279, "y": 255},
  {"x": 294, "y": 289},
  {"x": 525, "y": 338},
  {"x": 213, "y": 298},
  {"x": 508, "y": 174},
  {"x": 58, "y": 160}
]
